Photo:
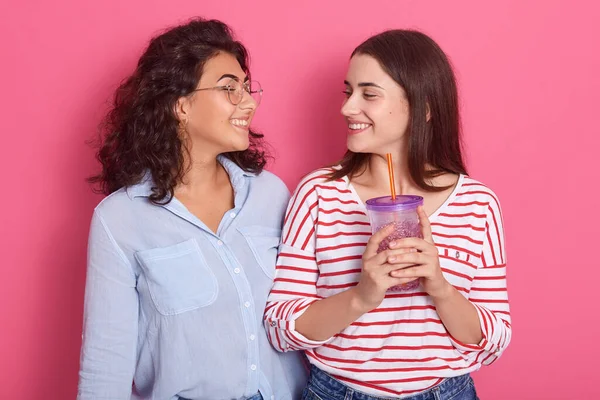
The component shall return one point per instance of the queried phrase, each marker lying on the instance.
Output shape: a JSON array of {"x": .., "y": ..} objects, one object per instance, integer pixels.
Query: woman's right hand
[{"x": 375, "y": 277}]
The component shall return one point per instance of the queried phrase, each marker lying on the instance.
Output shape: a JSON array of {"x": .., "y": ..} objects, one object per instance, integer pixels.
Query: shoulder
[
  {"x": 270, "y": 189},
  {"x": 269, "y": 193},
  {"x": 476, "y": 191},
  {"x": 270, "y": 182},
  {"x": 115, "y": 204},
  {"x": 475, "y": 187},
  {"x": 117, "y": 215},
  {"x": 319, "y": 181}
]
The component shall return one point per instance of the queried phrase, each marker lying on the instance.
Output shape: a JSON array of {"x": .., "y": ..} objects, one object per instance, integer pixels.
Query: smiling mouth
[
  {"x": 354, "y": 128},
  {"x": 358, "y": 127},
  {"x": 239, "y": 123}
]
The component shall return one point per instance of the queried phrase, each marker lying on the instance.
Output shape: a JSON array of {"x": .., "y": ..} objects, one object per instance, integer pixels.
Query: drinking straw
[{"x": 391, "y": 175}]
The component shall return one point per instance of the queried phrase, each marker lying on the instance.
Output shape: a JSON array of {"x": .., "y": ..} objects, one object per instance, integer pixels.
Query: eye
[
  {"x": 347, "y": 93},
  {"x": 369, "y": 96},
  {"x": 228, "y": 88}
]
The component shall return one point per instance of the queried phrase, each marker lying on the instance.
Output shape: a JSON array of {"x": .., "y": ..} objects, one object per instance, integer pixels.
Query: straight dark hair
[{"x": 420, "y": 66}]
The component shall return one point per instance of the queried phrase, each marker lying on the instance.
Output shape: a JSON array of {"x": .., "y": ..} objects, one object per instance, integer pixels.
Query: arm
[
  {"x": 108, "y": 352},
  {"x": 329, "y": 316},
  {"x": 478, "y": 326},
  {"x": 296, "y": 318},
  {"x": 489, "y": 295}
]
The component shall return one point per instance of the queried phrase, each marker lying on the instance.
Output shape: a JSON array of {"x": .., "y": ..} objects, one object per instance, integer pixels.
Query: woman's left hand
[{"x": 424, "y": 264}]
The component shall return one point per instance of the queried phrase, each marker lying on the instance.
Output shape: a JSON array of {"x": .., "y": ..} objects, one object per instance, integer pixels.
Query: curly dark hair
[{"x": 140, "y": 132}]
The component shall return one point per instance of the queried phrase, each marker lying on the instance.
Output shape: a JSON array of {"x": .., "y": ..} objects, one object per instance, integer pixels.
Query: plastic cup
[{"x": 400, "y": 212}]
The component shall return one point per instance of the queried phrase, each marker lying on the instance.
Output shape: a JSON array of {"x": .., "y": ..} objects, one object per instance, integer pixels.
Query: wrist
[
  {"x": 358, "y": 305},
  {"x": 444, "y": 292}
]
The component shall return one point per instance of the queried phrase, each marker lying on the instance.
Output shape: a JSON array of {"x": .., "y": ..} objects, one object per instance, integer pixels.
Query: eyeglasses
[{"x": 235, "y": 91}]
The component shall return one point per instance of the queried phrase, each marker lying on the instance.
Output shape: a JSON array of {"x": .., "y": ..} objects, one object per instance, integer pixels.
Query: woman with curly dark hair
[{"x": 182, "y": 251}]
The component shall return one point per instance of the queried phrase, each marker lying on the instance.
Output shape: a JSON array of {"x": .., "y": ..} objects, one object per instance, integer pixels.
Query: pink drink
[{"x": 402, "y": 214}]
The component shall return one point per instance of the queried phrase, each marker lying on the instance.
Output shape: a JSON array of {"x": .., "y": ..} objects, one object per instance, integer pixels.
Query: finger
[
  {"x": 408, "y": 258},
  {"x": 413, "y": 242},
  {"x": 425, "y": 225},
  {"x": 417, "y": 271},
  {"x": 386, "y": 255},
  {"x": 389, "y": 268},
  {"x": 375, "y": 241},
  {"x": 392, "y": 255}
]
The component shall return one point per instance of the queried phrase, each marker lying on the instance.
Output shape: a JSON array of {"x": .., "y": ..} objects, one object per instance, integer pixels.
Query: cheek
[
  {"x": 393, "y": 121},
  {"x": 398, "y": 123},
  {"x": 211, "y": 115},
  {"x": 209, "y": 123}
]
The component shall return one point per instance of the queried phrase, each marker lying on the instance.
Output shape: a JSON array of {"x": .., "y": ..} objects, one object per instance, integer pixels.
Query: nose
[
  {"x": 350, "y": 108},
  {"x": 248, "y": 102}
]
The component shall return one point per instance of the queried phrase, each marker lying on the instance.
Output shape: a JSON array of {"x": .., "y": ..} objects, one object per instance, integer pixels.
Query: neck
[
  {"x": 377, "y": 173},
  {"x": 202, "y": 173}
]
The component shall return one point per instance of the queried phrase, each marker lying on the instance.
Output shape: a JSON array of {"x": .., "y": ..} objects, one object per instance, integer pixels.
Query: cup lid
[{"x": 401, "y": 203}]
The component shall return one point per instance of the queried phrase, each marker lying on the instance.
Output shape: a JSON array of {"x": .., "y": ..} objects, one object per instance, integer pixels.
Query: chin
[
  {"x": 240, "y": 145},
  {"x": 235, "y": 141},
  {"x": 358, "y": 146}
]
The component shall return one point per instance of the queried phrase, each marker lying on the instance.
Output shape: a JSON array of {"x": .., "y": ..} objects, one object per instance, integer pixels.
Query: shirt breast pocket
[
  {"x": 178, "y": 277},
  {"x": 263, "y": 242}
]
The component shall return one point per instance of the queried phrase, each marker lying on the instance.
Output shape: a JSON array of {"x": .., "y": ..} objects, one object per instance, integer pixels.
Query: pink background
[{"x": 528, "y": 73}]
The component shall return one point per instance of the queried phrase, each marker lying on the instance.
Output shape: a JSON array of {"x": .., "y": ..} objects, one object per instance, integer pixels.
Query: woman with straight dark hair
[
  {"x": 182, "y": 252},
  {"x": 336, "y": 293}
]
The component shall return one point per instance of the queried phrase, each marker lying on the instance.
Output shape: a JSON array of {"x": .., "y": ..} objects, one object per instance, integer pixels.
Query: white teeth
[
  {"x": 239, "y": 122},
  {"x": 358, "y": 126}
]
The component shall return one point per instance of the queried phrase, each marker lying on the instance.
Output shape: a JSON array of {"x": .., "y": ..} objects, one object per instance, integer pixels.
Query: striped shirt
[{"x": 401, "y": 347}]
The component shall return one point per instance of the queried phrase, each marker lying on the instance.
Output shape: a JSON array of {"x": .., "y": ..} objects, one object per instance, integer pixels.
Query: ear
[
  {"x": 428, "y": 112},
  {"x": 182, "y": 109}
]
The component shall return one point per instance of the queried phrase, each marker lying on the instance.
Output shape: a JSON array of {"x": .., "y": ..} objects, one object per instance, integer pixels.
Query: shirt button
[
  {"x": 252, "y": 337},
  {"x": 220, "y": 243},
  {"x": 273, "y": 323},
  {"x": 247, "y": 304},
  {"x": 237, "y": 270},
  {"x": 253, "y": 367},
  {"x": 233, "y": 215}
]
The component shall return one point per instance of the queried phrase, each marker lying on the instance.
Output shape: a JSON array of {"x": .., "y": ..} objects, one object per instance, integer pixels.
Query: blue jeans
[{"x": 321, "y": 386}]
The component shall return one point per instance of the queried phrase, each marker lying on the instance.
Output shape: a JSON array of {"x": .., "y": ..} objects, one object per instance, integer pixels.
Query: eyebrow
[
  {"x": 365, "y": 84},
  {"x": 232, "y": 77}
]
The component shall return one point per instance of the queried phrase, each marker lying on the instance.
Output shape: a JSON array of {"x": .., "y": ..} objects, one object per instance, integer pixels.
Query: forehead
[
  {"x": 366, "y": 69},
  {"x": 364, "y": 66},
  {"x": 221, "y": 64}
]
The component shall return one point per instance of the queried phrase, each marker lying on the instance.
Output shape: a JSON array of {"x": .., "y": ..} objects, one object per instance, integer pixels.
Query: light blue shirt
[{"x": 178, "y": 309}]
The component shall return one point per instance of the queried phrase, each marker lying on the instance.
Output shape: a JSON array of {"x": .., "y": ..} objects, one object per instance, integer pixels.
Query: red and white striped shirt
[{"x": 401, "y": 347}]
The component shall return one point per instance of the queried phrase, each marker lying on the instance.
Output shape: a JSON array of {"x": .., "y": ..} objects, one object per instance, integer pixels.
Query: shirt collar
[{"x": 237, "y": 176}]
